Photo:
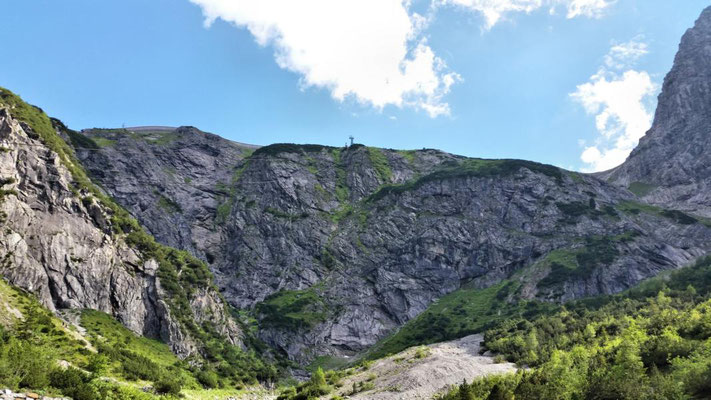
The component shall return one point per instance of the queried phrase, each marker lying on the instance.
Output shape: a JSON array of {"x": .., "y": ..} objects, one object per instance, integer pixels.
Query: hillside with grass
[
  {"x": 98, "y": 358},
  {"x": 651, "y": 342}
]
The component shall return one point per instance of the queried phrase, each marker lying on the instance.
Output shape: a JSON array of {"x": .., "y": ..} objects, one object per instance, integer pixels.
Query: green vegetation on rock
[
  {"x": 641, "y": 189},
  {"x": 579, "y": 263},
  {"x": 277, "y": 148},
  {"x": 380, "y": 163},
  {"x": 574, "y": 210},
  {"x": 651, "y": 342},
  {"x": 285, "y": 215},
  {"x": 469, "y": 168},
  {"x": 460, "y": 313},
  {"x": 168, "y": 205},
  {"x": 292, "y": 309},
  {"x": 636, "y": 208},
  {"x": 342, "y": 191}
]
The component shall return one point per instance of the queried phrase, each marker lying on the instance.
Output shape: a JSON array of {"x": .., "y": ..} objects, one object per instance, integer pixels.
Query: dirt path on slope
[{"x": 422, "y": 372}]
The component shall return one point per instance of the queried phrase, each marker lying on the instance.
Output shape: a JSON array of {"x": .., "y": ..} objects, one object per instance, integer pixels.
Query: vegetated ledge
[
  {"x": 473, "y": 167},
  {"x": 277, "y": 148}
]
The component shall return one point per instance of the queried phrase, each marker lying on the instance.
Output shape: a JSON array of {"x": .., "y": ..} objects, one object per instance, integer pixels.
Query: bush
[
  {"x": 62, "y": 379},
  {"x": 167, "y": 385},
  {"x": 98, "y": 364},
  {"x": 208, "y": 379},
  {"x": 23, "y": 364},
  {"x": 135, "y": 366}
]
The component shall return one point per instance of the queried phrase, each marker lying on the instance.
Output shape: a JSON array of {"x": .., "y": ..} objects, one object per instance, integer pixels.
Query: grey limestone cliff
[
  {"x": 335, "y": 248},
  {"x": 58, "y": 243},
  {"x": 672, "y": 164}
]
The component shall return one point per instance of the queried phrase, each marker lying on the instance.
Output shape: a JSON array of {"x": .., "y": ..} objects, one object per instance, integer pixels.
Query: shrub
[
  {"x": 168, "y": 386},
  {"x": 208, "y": 379},
  {"x": 23, "y": 364},
  {"x": 98, "y": 364},
  {"x": 68, "y": 378},
  {"x": 292, "y": 309}
]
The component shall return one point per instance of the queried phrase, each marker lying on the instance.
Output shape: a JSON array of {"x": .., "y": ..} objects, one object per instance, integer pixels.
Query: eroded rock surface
[
  {"x": 335, "y": 248},
  {"x": 61, "y": 247},
  {"x": 672, "y": 164}
]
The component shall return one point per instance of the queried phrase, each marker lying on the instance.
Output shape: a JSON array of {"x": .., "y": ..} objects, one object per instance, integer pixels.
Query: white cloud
[
  {"x": 494, "y": 11},
  {"x": 586, "y": 8},
  {"x": 626, "y": 54},
  {"x": 621, "y": 103},
  {"x": 371, "y": 51}
]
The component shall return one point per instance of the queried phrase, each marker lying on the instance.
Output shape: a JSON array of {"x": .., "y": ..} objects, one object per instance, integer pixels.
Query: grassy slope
[
  {"x": 20, "y": 312},
  {"x": 651, "y": 342},
  {"x": 32, "y": 343},
  {"x": 25, "y": 320},
  {"x": 463, "y": 312},
  {"x": 103, "y": 330}
]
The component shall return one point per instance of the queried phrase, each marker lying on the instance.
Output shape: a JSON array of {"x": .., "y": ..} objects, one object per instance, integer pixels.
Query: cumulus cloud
[
  {"x": 621, "y": 99},
  {"x": 371, "y": 51},
  {"x": 494, "y": 11}
]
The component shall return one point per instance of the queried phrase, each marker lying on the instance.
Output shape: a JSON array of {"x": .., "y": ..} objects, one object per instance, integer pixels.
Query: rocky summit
[{"x": 671, "y": 166}]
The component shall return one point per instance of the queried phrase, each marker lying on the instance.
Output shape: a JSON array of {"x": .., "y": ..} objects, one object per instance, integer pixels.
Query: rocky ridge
[
  {"x": 59, "y": 241},
  {"x": 671, "y": 166},
  {"x": 344, "y": 245}
]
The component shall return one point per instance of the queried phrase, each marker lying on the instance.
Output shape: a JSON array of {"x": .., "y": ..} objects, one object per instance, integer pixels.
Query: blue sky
[{"x": 524, "y": 79}]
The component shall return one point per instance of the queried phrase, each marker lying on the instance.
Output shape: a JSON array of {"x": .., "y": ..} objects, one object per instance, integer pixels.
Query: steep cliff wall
[
  {"x": 61, "y": 239},
  {"x": 672, "y": 164},
  {"x": 335, "y": 248}
]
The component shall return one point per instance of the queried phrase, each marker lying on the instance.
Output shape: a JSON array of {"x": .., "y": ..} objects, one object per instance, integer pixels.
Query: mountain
[
  {"x": 333, "y": 249},
  {"x": 73, "y": 248},
  {"x": 671, "y": 166},
  {"x": 330, "y": 253}
]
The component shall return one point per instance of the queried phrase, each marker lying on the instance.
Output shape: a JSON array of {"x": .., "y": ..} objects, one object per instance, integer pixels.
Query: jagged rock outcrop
[
  {"x": 672, "y": 164},
  {"x": 58, "y": 243}
]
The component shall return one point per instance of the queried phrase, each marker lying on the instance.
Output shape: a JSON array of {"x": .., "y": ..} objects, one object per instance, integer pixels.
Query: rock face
[
  {"x": 62, "y": 248},
  {"x": 335, "y": 248},
  {"x": 175, "y": 183},
  {"x": 672, "y": 164}
]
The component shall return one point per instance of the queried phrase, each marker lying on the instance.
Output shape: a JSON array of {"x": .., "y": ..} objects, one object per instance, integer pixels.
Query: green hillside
[{"x": 651, "y": 342}]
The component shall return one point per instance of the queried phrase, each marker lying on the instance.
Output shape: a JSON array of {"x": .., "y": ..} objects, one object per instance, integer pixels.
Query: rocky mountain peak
[{"x": 672, "y": 164}]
